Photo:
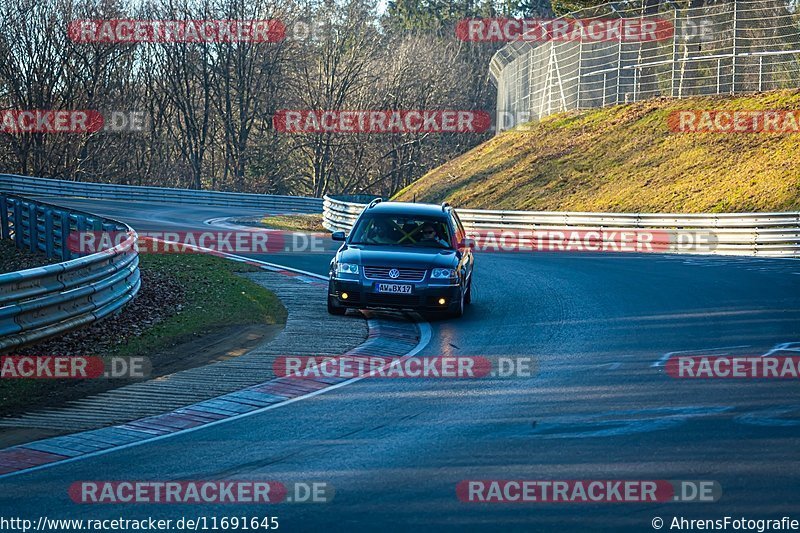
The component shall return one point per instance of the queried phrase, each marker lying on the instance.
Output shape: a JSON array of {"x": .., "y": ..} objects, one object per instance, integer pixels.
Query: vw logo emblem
[{"x": 394, "y": 273}]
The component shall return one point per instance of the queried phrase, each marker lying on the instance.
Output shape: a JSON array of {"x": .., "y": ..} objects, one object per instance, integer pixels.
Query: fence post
[
  {"x": 619, "y": 69},
  {"x": 580, "y": 65},
  {"x": 760, "y": 73},
  {"x": 561, "y": 87},
  {"x": 674, "y": 53},
  {"x": 735, "y": 51},
  {"x": 546, "y": 83},
  {"x": 531, "y": 83}
]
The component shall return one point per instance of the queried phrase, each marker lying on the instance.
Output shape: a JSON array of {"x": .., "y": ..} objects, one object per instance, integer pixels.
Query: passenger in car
[{"x": 380, "y": 233}]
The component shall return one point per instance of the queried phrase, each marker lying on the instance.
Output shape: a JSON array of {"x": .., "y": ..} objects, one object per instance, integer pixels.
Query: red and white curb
[{"x": 387, "y": 338}]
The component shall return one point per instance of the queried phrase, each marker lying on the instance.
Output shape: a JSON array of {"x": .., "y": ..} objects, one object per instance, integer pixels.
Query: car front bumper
[{"x": 363, "y": 294}]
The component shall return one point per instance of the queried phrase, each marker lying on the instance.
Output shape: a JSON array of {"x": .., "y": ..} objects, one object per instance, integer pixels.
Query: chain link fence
[{"x": 712, "y": 48}]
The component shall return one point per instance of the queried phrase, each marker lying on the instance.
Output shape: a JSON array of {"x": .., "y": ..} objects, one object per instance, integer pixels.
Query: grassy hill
[{"x": 625, "y": 159}]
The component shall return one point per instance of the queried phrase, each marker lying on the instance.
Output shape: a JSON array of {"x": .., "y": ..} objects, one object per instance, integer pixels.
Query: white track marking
[
  {"x": 784, "y": 347},
  {"x": 663, "y": 360},
  {"x": 425, "y": 331}
]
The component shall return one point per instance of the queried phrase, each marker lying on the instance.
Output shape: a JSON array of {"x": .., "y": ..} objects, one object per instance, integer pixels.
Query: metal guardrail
[
  {"x": 45, "y": 301},
  {"x": 341, "y": 212},
  {"x": 30, "y": 186},
  {"x": 758, "y": 234}
]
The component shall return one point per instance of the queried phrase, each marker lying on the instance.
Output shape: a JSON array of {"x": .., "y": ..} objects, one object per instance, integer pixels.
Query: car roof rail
[
  {"x": 374, "y": 202},
  {"x": 445, "y": 205}
]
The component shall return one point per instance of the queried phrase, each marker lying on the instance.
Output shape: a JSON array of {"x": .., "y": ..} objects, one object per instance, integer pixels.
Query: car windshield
[{"x": 399, "y": 230}]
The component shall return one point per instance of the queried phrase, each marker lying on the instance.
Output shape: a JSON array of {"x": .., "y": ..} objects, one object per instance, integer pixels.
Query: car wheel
[
  {"x": 458, "y": 310},
  {"x": 335, "y": 309},
  {"x": 468, "y": 296}
]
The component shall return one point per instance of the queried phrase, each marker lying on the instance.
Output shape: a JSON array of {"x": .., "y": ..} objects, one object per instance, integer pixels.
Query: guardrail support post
[
  {"x": 48, "y": 232},
  {"x": 18, "y": 231},
  {"x": 4, "y": 232},
  {"x": 33, "y": 237},
  {"x": 66, "y": 253}
]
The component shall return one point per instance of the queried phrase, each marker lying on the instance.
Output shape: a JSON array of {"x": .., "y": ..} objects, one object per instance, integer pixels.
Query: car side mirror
[{"x": 338, "y": 236}]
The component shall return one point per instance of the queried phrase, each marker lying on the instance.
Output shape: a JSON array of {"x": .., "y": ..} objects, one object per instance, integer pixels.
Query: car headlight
[
  {"x": 443, "y": 273},
  {"x": 347, "y": 268}
]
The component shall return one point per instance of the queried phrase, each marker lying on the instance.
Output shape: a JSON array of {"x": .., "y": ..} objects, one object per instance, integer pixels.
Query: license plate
[{"x": 392, "y": 288}]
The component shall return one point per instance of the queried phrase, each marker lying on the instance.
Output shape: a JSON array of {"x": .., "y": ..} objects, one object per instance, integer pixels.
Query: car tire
[
  {"x": 334, "y": 309},
  {"x": 468, "y": 295},
  {"x": 458, "y": 310}
]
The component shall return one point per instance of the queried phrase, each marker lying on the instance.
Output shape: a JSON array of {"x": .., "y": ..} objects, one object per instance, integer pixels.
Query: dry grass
[
  {"x": 625, "y": 159},
  {"x": 311, "y": 223}
]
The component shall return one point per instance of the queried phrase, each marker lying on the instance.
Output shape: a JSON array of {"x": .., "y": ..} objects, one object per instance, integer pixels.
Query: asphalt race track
[{"x": 599, "y": 405}]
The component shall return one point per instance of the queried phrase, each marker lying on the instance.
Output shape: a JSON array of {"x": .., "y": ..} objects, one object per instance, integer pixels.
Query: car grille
[{"x": 406, "y": 274}]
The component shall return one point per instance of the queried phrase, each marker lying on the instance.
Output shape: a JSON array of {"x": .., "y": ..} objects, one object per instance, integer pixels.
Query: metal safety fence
[
  {"x": 755, "y": 234},
  {"x": 712, "y": 48},
  {"x": 42, "y": 302},
  {"x": 31, "y": 186}
]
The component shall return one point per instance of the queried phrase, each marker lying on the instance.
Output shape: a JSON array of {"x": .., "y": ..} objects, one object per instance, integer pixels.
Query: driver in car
[{"x": 429, "y": 235}]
